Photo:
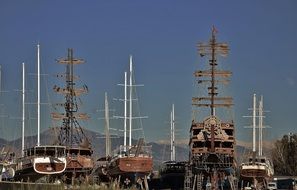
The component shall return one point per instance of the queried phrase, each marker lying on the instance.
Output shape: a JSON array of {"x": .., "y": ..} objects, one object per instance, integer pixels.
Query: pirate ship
[
  {"x": 130, "y": 163},
  {"x": 71, "y": 134},
  {"x": 212, "y": 141}
]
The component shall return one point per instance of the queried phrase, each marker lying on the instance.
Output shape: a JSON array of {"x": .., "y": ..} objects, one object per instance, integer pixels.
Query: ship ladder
[
  {"x": 233, "y": 182},
  {"x": 199, "y": 181},
  {"x": 188, "y": 177}
]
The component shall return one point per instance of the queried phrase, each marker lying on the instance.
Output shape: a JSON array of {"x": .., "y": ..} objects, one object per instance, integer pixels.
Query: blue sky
[{"x": 162, "y": 37}]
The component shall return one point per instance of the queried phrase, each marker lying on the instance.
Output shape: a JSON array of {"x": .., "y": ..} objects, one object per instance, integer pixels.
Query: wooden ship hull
[
  {"x": 130, "y": 166},
  {"x": 40, "y": 161},
  {"x": 215, "y": 150},
  {"x": 254, "y": 171},
  {"x": 131, "y": 162},
  {"x": 79, "y": 161},
  {"x": 256, "y": 174}
]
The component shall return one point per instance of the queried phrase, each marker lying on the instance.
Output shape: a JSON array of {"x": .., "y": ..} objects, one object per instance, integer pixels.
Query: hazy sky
[{"x": 162, "y": 37}]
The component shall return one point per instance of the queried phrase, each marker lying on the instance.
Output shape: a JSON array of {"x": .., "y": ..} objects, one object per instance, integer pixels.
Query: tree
[{"x": 284, "y": 155}]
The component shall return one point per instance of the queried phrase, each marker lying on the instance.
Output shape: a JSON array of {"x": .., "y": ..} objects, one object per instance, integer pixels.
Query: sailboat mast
[
  {"x": 23, "y": 111},
  {"x": 0, "y": 79},
  {"x": 130, "y": 106},
  {"x": 125, "y": 112},
  {"x": 107, "y": 138},
  {"x": 38, "y": 95},
  {"x": 261, "y": 126},
  {"x": 254, "y": 123},
  {"x": 173, "y": 134},
  {"x": 171, "y": 137}
]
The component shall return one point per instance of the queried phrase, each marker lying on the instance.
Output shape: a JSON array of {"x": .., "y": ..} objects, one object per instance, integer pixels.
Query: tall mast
[
  {"x": 173, "y": 132},
  {"x": 172, "y": 139},
  {"x": 71, "y": 133},
  {"x": 125, "y": 112},
  {"x": 0, "y": 79},
  {"x": 38, "y": 95},
  {"x": 261, "y": 126},
  {"x": 23, "y": 111},
  {"x": 213, "y": 76},
  {"x": 254, "y": 123},
  {"x": 212, "y": 63},
  {"x": 107, "y": 138},
  {"x": 171, "y": 136},
  {"x": 130, "y": 106}
]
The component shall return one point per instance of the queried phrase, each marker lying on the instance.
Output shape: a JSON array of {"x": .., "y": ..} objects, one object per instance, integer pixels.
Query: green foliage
[{"x": 284, "y": 155}]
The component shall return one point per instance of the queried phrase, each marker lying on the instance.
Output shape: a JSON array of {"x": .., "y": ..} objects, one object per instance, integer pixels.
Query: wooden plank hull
[
  {"x": 34, "y": 168},
  {"x": 130, "y": 165},
  {"x": 48, "y": 165},
  {"x": 255, "y": 171},
  {"x": 79, "y": 163}
]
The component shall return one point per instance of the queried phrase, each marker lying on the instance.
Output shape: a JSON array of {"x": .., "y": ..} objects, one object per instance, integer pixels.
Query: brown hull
[
  {"x": 30, "y": 170},
  {"x": 253, "y": 173},
  {"x": 141, "y": 165},
  {"x": 79, "y": 163},
  {"x": 49, "y": 168}
]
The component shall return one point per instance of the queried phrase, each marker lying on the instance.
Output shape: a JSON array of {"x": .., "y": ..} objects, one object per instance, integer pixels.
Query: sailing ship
[
  {"x": 212, "y": 141},
  {"x": 71, "y": 134},
  {"x": 258, "y": 170},
  {"x": 100, "y": 169},
  {"x": 38, "y": 161},
  {"x": 130, "y": 163},
  {"x": 172, "y": 173}
]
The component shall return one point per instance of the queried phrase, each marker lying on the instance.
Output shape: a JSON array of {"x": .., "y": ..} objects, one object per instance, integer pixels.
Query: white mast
[
  {"x": 38, "y": 95},
  {"x": 107, "y": 138},
  {"x": 254, "y": 123},
  {"x": 261, "y": 126},
  {"x": 0, "y": 79},
  {"x": 23, "y": 112},
  {"x": 171, "y": 136},
  {"x": 125, "y": 112},
  {"x": 172, "y": 132},
  {"x": 130, "y": 106}
]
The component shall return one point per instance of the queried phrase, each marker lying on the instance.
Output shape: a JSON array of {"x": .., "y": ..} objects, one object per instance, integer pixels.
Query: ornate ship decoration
[
  {"x": 130, "y": 163},
  {"x": 258, "y": 170},
  {"x": 212, "y": 141},
  {"x": 40, "y": 160},
  {"x": 71, "y": 134}
]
